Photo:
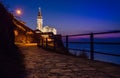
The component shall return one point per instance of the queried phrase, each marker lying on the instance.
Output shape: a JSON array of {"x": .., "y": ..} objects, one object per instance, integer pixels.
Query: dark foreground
[{"x": 43, "y": 64}]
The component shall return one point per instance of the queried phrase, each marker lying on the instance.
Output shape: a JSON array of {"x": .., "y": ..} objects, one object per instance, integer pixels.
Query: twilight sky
[{"x": 70, "y": 16}]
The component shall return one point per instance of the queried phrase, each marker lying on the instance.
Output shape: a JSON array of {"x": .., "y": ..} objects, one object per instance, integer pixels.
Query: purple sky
[{"x": 70, "y": 16}]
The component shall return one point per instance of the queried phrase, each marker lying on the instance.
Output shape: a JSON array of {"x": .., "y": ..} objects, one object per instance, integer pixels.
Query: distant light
[{"x": 18, "y": 11}]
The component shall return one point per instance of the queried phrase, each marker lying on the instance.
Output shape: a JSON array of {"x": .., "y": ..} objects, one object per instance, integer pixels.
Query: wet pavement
[{"x": 43, "y": 64}]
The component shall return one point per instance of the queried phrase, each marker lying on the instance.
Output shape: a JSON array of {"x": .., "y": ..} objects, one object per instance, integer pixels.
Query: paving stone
[{"x": 43, "y": 64}]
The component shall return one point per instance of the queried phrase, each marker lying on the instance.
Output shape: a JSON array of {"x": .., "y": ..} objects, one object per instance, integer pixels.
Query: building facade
[
  {"x": 39, "y": 21},
  {"x": 40, "y": 28},
  {"x": 23, "y": 34}
]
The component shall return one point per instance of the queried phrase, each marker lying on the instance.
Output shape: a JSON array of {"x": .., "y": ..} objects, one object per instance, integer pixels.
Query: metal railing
[
  {"x": 92, "y": 43},
  {"x": 45, "y": 43}
]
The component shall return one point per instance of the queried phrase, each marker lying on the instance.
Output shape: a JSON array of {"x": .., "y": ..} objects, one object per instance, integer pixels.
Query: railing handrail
[
  {"x": 108, "y": 32},
  {"x": 117, "y": 55},
  {"x": 83, "y": 42},
  {"x": 91, "y": 42}
]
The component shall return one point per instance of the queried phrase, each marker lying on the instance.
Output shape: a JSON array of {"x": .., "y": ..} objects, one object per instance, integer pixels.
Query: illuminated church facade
[{"x": 45, "y": 29}]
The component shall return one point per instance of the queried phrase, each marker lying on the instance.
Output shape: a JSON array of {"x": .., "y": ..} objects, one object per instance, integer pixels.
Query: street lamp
[{"x": 18, "y": 12}]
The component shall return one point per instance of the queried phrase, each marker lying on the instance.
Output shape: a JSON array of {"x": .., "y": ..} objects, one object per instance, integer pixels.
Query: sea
[{"x": 104, "y": 48}]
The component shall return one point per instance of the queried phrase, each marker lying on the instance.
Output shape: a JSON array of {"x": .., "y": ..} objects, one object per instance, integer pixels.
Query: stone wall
[{"x": 23, "y": 34}]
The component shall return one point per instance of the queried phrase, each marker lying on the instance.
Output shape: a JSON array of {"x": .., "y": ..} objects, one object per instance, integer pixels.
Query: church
[{"x": 45, "y": 29}]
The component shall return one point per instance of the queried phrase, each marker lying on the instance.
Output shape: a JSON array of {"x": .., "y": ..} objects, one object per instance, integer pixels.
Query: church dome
[{"x": 49, "y": 29}]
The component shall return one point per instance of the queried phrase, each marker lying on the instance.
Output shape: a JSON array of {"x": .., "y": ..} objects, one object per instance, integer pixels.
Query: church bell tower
[{"x": 39, "y": 21}]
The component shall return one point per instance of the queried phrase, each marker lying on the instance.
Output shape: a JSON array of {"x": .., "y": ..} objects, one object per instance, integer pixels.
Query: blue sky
[{"x": 70, "y": 16}]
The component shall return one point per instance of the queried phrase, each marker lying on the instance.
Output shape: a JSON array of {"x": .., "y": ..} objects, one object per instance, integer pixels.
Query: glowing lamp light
[{"x": 18, "y": 12}]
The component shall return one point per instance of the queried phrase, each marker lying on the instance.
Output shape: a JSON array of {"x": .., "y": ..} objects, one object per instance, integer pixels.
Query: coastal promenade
[{"x": 40, "y": 63}]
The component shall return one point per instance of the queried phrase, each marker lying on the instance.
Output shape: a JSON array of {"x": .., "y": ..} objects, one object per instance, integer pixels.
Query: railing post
[
  {"x": 54, "y": 45},
  {"x": 92, "y": 46},
  {"x": 42, "y": 42},
  {"x": 46, "y": 43},
  {"x": 38, "y": 42},
  {"x": 67, "y": 42}
]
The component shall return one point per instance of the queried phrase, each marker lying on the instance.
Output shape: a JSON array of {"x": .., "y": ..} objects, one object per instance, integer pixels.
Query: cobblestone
[{"x": 43, "y": 64}]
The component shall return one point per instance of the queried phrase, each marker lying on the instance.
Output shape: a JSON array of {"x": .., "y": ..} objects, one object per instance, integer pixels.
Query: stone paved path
[{"x": 43, "y": 64}]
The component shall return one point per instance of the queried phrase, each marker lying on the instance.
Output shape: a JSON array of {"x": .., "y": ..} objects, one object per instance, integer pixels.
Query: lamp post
[{"x": 17, "y": 13}]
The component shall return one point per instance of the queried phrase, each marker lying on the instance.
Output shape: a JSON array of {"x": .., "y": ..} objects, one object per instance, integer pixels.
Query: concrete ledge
[{"x": 27, "y": 44}]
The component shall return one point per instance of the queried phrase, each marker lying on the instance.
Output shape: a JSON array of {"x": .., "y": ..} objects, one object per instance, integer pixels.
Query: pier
[{"x": 40, "y": 63}]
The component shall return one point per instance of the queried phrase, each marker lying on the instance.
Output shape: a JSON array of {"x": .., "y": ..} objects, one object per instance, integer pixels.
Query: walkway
[{"x": 44, "y": 64}]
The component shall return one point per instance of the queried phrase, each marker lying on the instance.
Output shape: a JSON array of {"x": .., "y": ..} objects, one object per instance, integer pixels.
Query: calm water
[{"x": 113, "y": 49}]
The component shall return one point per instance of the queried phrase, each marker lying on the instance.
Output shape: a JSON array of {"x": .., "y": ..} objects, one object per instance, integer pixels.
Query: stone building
[
  {"x": 43, "y": 29},
  {"x": 23, "y": 34}
]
